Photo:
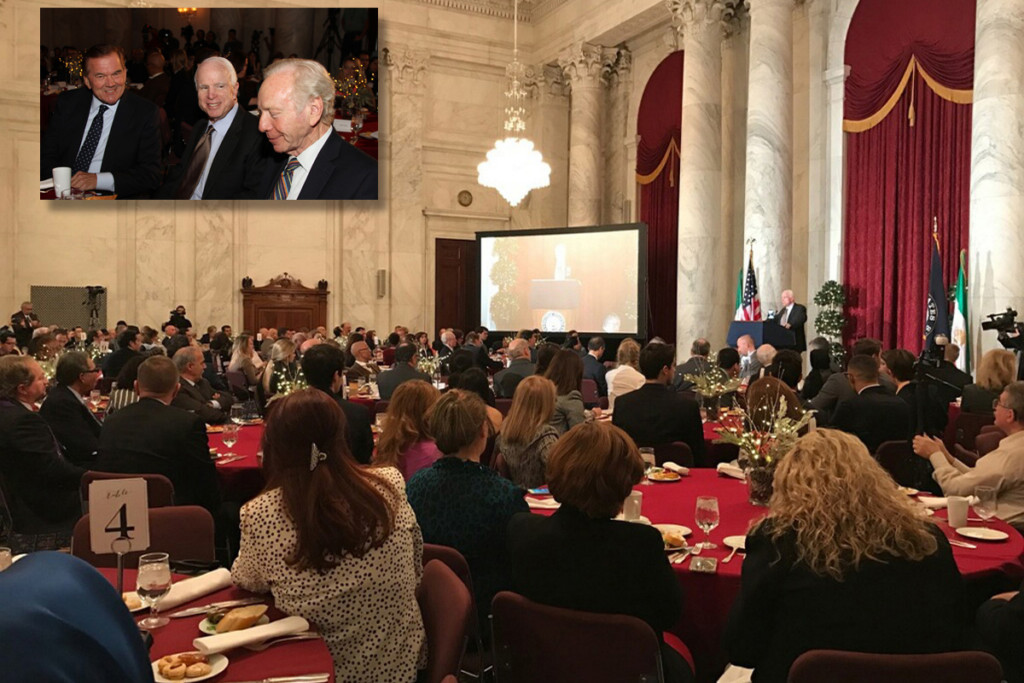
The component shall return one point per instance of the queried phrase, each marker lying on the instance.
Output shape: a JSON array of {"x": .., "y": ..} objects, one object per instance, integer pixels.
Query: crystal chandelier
[{"x": 514, "y": 167}]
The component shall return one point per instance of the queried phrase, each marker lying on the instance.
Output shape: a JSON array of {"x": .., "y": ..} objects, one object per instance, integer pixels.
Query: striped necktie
[
  {"x": 92, "y": 140},
  {"x": 196, "y": 165},
  {"x": 284, "y": 183}
]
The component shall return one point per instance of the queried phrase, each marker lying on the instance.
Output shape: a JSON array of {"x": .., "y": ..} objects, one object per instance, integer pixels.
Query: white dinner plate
[
  {"x": 217, "y": 665},
  {"x": 983, "y": 533},
  {"x": 675, "y": 529},
  {"x": 739, "y": 542},
  {"x": 660, "y": 475},
  {"x": 640, "y": 520},
  {"x": 211, "y": 629}
]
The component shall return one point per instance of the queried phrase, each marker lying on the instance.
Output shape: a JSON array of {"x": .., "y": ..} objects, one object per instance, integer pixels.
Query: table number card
[{"x": 118, "y": 516}]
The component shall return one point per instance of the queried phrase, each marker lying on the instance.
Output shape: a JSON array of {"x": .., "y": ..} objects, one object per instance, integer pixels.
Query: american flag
[{"x": 751, "y": 300}]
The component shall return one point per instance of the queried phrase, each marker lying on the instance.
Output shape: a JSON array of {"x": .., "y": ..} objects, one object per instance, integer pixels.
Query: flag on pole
[
  {"x": 937, "y": 314},
  {"x": 739, "y": 297},
  {"x": 751, "y": 299},
  {"x": 959, "y": 333}
]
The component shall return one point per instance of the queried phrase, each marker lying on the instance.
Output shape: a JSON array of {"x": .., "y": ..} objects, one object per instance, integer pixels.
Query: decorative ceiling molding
[{"x": 500, "y": 9}]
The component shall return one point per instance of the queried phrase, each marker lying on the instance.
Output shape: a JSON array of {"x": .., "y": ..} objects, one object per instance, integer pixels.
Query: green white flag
[
  {"x": 739, "y": 297},
  {"x": 959, "y": 331}
]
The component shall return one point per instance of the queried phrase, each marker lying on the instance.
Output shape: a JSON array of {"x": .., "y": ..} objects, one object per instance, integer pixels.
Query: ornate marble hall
[{"x": 833, "y": 133}]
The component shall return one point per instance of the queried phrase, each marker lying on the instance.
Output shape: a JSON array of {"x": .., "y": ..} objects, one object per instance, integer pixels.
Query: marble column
[
  {"x": 768, "y": 207},
  {"x": 997, "y": 166},
  {"x": 547, "y": 124},
  {"x": 617, "y": 174},
  {"x": 294, "y": 32},
  {"x": 584, "y": 66}
]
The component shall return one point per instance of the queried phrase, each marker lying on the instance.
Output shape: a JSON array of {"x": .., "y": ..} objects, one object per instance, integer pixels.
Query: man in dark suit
[
  {"x": 654, "y": 414},
  {"x": 793, "y": 317},
  {"x": 593, "y": 368},
  {"x": 519, "y": 367},
  {"x": 39, "y": 484},
  {"x": 324, "y": 365},
  {"x": 24, "y": 323},
  {"x": 109, "y": 138},
  {"x": 320, "y": 165},
  {"x": 157, "y": 82},
  {"x": 153, "y": 437},
  {"x": 837, "y": 387},
  {"x": 696, "y": 364},
  {"x": 74, "y": 425},
  {"x": 475, "y": 345},
  {"x": 874, "y": 414},
  {"x": 129, "y": 343},
  {"x": 195, "y": 394},
  {"x": 227, "y": 155},
  {"x": 404, "y": 370}
]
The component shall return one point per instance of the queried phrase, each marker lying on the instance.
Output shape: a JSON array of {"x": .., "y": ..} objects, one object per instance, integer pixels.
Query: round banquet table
[
  {"x": 707, "y": 598},
  {"x": 241, "y": 480},
  {"x": 292, "y": 658}
]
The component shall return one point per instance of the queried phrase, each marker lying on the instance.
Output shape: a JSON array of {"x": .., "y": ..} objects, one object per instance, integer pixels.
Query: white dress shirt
[
  {"x": 220, "y": 129},
  {"x": 1003, "y": 468},
  {"x": 306, "y": 159},
  {"x": 105, "y": 180}
]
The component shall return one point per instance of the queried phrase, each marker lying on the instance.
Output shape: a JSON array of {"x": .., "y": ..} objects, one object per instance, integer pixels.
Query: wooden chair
[
  {"x": 184, "y": 532},
  {"x": 907, "y": 469},
  {"x": 835, "y": 666},
  {"x": 589, "y": 390},
  {"x": 677, "y": 451},
  {"x": 987, "y": 442},
  {"x": 159, "y": 489},
  {"x": 446, "y": 605},
  {"x": 475, "y": 663},
  {"x": 967, "y": 426}
]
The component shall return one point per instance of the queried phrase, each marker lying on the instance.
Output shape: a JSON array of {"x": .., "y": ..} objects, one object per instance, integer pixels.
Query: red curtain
[
  {"x": 657, "y": 170},
  {"x": 907, "y": 159}
]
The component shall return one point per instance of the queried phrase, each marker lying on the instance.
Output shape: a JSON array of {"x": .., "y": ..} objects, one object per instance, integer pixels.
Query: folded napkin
[
  {"x": 542, "y": 503},
  {"x": 937, "y": 503},
  {"x": 191, "y": 589},
  {"x": 46, "y": 184},
  {"x": 678, "y": 469},
  {"x": 373, "y": 135},
  {"x": 343, "y": 125},
  {"x": 731, "y": 470},
  {"x": 222, "y": 642}
]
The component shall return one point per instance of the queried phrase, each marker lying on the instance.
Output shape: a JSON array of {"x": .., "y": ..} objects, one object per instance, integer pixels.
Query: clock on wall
[{"x": 465, "y": 198}]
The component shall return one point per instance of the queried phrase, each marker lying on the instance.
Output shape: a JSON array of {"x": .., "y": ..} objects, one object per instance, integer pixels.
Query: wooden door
[{"x": 456, "y": 285}]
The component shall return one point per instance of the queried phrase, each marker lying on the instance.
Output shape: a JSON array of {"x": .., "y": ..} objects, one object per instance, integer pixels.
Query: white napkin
[
  {"x": 196, "y": 587},
  {"x": 542, "y": 503},
  {"x": 731, "y": 470},
  {"x": 678, "y": 469},
  {"x": 343, "y": 125},
  {"x": 222, "y": 642},
  {"x": 373, "y": 135},
  {"x": 937, "y": 503},
  {"x": 46, "y": 184}
]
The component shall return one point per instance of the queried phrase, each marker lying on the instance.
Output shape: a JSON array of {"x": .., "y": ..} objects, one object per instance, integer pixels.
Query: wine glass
[
  {"x": 706, "y": 518},
  {"x": 152, "y": 584},
  {"x": 94, "y": 399},
  {"x": 230, "y": 437},
  {"x": 238, "y": 414},
  {"x": 987, "y": 503},
  {"x": 647, "y": 455},
  {"x": 357, "y": 125}
]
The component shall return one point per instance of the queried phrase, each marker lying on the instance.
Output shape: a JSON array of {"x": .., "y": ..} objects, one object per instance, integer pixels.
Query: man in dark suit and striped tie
[{"x": 296, "y": 103}]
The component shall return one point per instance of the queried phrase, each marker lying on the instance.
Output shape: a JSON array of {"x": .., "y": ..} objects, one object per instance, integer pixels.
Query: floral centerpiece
[
  {"x": 289, "y": 384},
  {"x": 430, "y": 365},
  {"x": 763, "y": 439},
  {"x": 711, "y": 385},
  {"x": 354, "y": 91}
]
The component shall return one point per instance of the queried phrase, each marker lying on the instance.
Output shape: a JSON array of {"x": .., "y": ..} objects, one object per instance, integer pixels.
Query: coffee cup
[
  {"x": 957, "y": 511},
  {"x": 632, "y": 505},
  {"x": 61, "y": 180}
]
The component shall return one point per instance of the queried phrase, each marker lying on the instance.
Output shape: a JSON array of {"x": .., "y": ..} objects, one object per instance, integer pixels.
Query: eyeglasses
[
  {"x": 997, "y": 404},
  {"x": 89, "y": 372}
]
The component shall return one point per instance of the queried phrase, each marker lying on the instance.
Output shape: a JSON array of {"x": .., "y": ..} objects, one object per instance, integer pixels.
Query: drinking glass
[
  {"x": 647, "y": 455},
  {"x": 251, "y": 411},
  {"x": 152, "y": 584},
  {"x": 94, "y": 399},
  {"x": 6, "y": 559},
  {"x": 230, "y": 437},
  {"x": 706, "y": 517},
  {"x": 987, "y": 504},
  {"x": 238, "y": 414}
]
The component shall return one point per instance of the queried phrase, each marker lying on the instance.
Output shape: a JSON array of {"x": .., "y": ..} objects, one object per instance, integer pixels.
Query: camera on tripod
[{"x": 1009, "y": 331}]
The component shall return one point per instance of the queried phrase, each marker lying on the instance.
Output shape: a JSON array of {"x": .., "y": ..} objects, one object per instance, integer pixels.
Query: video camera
[{"x": 1009, "y": 331}]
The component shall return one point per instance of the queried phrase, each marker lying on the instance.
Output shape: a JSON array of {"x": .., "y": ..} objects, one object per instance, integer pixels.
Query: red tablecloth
[
  {"x": 293, "y": 658},
  {"x": 707, "y": 598},
  {"x": 240, "y": 479},
  {"x": 364, "y": 143}
]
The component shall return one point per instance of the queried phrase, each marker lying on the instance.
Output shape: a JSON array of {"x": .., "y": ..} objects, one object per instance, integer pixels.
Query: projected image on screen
[{"x": 560, "y": 282}]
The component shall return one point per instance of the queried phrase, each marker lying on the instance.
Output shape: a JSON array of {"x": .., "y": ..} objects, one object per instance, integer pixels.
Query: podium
[{"x": 763, "y": 332}]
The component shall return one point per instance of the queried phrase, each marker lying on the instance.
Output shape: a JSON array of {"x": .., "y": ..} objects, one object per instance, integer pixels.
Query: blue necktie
[
  {"x": 284, "y": 183},
  {"x": 88, "y": 149}
]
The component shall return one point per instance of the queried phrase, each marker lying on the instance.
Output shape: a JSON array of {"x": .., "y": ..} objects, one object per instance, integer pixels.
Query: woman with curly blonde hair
[
  {"x": 405, "y": 442},
  {"x": 843, "y": 561}
]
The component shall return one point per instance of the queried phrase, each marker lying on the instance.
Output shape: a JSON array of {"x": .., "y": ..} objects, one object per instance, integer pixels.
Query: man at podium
[{"x": 793, "y": 316}]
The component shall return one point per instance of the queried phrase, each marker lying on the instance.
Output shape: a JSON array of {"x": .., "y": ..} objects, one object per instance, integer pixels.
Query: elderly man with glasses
[{"x": 65, "y": 409}]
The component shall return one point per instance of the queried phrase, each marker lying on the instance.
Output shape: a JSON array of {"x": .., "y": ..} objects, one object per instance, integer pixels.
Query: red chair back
[
  {"x": 447, "y": 607},
  {"x": 965, "y": 456},
  {"x": 184, "y": 532},
  {"x": 835, "y": 666},
  {"x": 897, "y": 458},
  {"x": 589, "y": 391},
  {"x": 105, "y": 385},
  {"x": 387, "y": 356},
  {"x": 534, "y": 642},
  {"x": 236, "y": 381},
  {"x": 988, "y": 442},
  {"x": 678, "y": 452},
  {"x": 380, "y": 406},
  {"x": 968, "y": 426},
  {"x": 159, "y": 489},
  {"x": 503, "y": 405},
  {"x": 989, "y": 428}
]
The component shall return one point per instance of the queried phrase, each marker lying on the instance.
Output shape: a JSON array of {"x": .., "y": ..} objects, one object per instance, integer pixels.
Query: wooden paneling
[{"x": 284, "y": 302}]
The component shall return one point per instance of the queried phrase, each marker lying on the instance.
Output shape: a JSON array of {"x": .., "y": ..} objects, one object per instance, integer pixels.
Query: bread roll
[
  {"x": 198, "y": 669},
  {"x": 241, "y": 617}
]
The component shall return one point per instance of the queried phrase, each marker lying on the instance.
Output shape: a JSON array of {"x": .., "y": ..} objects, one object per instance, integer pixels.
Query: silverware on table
[
  {"x": 730, "y": 555},
  {"x": 299, "y": 678},
  {"x": 961, "y": 544},
  {"x": 681, "y": 557},
  {"x": 270, "y": 642},
  {"x": 203, "y": 609}
]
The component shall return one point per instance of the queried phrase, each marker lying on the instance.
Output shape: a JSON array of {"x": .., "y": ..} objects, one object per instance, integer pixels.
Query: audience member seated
[
  {"x": 788, "y": 367},
  {"x": 566, "y": 371},
  {"x": 461, "y": 503},
  {"x": 998, "y": 367},
  {"x": 764, "y": 398},
  {"x": 837, "y": 387},
  {"x": 364, "y": 366},
  {"x": 696, "y": 364},
  {"x": 62, "y": 621},
  {"x": 873, "y": 414},
  {"x": 542, "y": 356},
  {"x": 580, "y": 558},
  {"x": 527, "y": 435},
  {"x": 814, "y": 580},
  {"x": 593, "y": 368},
  {"x": 245, "y": 360},
  {"x": 330, "y": 540},
  {"x": 405, "y": 442},
  {"x": 195, "y": 393},
  {"x": 475, "y": 344},
  {"x": 322, "y": 367},
  {"x": 123, "y": 392},
  {"x": 1001, "y": 630},
  {"x": 626, "y": 377},
  {"x": 821, "y": 370},
  {"x": 765, "y": 354},
  {"x": 929, "y": 413},
  {"x": 404, "y": 370},
  {"x": 654, "y": 414},
  {"x": 474, "y": 380},
  {"x": 8, "y": 343},
  {"x": 39, "y": 484},
  {"x": 65, "y": 410},
  {"x": 282, "y": 367},
  {"x": 1002, "y": 468},
  {"x": 750, "y": 366},
  {"x": 129, "y": 342},
  {"x": 728, "y": 360},
  {"x": 506, "y": 381},
  {"x": 154, "y": 437}
]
